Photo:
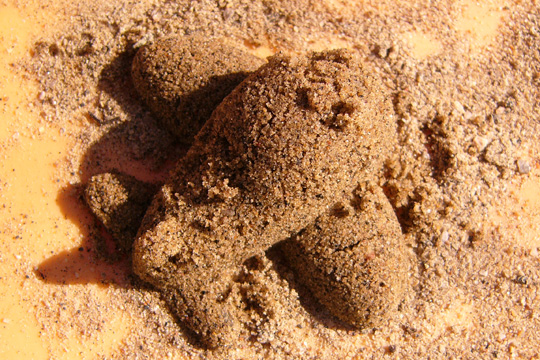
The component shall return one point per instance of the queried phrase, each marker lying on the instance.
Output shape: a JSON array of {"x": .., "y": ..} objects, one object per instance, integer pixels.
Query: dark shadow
[
  {"x": 437, "y": 146},
  {"x": 140, "y": 146},
  {"x": 137, "y": 146},
  {"x": 318, "y": 311},
  {"x": 81, "y": 266},
  {"x": 196, "y": 107},
  {"x": 92, "y": 260},
  {"x": 404, "y": 212}
]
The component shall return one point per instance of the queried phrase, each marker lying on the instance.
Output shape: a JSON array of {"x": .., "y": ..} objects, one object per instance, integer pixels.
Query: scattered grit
[{"x": 467, "y": 132}]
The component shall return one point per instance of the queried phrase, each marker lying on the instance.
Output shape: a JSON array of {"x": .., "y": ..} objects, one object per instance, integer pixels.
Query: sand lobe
[{"x": 182, "y": 79}]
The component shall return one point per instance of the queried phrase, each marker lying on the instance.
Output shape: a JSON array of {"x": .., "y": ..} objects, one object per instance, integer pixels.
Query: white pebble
[
  {"x": 523, "y": 166},
  {"x": 459, "y": 107},
  {"x": 480, "y": 142},
  {"x": 444, "y": 236},
  {"x": 483, "y": 273}
]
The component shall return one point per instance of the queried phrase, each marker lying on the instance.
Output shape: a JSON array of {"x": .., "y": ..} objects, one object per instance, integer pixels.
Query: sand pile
[{"x": 273, "y": 163}]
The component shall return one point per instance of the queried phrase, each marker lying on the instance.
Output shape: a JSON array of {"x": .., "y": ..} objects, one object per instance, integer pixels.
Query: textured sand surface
[{"x": 463, "y": 178}]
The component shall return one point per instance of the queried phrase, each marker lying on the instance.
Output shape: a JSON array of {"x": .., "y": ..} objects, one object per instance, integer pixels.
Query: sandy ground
[{"x": 464, "y": 180}]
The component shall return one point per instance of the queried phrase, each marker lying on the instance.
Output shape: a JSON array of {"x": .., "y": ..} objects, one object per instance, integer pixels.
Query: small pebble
[
  {"x": 390, "y": 349},
  {"x": 523, "y": 166},
  {"x": 459, "y": 107},
  {"x": 444, "y": 237},
  {"x": 468, "y": 115},
  {"x": 480, "y": 142},
  {"x": 483, "y": 273}
]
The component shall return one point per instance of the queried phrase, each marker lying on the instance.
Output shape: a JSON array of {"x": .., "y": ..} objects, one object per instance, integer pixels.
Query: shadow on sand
[{"x": 138, "y": 147}]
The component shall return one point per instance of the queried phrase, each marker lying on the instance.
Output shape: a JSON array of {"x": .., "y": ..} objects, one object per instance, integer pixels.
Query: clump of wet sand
[
  {"x": 273, "y": 156},
  {"x": 273, "y": 162}
]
